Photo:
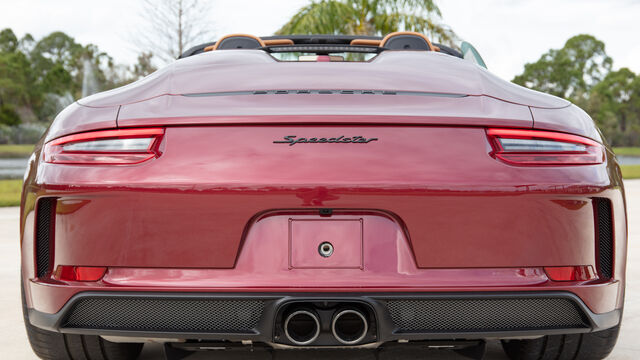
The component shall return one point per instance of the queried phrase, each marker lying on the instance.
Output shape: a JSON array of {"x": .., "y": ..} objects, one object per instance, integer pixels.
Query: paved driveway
[{"x": 14, "y": 345}]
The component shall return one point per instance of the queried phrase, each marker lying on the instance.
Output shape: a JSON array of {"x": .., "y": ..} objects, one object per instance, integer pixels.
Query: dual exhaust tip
[
  {"x": 348, "y": 326},
  {"x": 302, "y": 327}
]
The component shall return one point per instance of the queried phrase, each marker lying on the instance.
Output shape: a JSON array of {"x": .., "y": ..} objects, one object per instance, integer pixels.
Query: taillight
[
  {"x": 79, "y": 273},
  {"x": 571, "y": 273},
  {"x": 534, "y": 147},
  {"x": 108, "y": 147}
]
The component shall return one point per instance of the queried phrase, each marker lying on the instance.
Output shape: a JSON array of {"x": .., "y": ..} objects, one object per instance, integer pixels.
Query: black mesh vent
[
  {"x": 476, "y": 315},
  {"x": 44, "y": 226},
  {"x": 166, "y": 315},
  {"x": 604, "y": 234}
]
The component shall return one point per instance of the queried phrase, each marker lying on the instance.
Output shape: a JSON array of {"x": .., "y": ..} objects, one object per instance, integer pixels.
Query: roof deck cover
[{"x": 229, "y": 71}]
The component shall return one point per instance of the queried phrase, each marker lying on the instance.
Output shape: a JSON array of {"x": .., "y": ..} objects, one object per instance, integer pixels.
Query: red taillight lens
[
  {"x": 79, "y": 273},
  {"x": 571, "y": 273},
  {"x": 533, "y": 147},
  {"x": 108, "y": 147}
]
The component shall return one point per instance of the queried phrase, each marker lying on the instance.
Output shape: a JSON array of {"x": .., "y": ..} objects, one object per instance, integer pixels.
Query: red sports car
[{"x": 323, "y": 191}]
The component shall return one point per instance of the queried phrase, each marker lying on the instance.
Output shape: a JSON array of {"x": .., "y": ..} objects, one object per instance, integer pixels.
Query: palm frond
[
  {"x": 416, "y": 6},
  {"x": 386, "y": 23},
  {"x": 369, "y": 17},
  {"x": 322, "y": 17},
  {"x": 435, "y": 31}
]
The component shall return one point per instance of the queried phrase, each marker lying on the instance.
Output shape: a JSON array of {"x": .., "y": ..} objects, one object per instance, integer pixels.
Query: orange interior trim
[
  {"x": 367, "y": 42},
  {"x": 278, "y": 42},
  {"x": 389, "y": 36},
  {"x": 215, "y": 46}
]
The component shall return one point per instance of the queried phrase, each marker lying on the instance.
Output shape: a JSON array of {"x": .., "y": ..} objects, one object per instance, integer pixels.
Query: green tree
[
  {"x": 39, "y": 78},
  {"x": 26, "y": 44},
  {"x": 8, "y": 41},
  {"x": 65, "y": 68},
  {"x": 569, "y": 72},
  {"x": 60, "y": 63},
  {"x": 369, "y": 17},
  {"x": 15, "y": 73},
  {"x": 144, "y": 66},
  {"x": 8, "y": 116},
  {"x": 57, "y": 48},
  {"x": 15, "y": 79},
  {"x": 56, "y": 60},
  {"x": 614, "y": 104}
]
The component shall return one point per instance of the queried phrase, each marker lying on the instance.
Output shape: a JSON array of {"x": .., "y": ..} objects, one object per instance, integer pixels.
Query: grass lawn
[
  {"x": 627, "y": 151},
  {"x": 15, "y": 151},
  {"x": 630, "y": 171},
  {"x": 10, "y": 192}
]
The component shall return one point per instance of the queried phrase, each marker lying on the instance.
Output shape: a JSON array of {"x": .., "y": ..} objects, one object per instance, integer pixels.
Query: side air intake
[
  {"x": 44, "y": 235},
  {"x": 604, "y": 236}
]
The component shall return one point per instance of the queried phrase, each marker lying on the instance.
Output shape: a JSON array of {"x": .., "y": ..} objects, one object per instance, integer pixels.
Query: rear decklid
[
  {"x": 246, "y": 71},
  {"x": 250, "y": 86}
]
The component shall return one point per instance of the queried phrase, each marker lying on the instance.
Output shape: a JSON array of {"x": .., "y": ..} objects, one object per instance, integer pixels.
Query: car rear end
[{"x": 323, "y": 217}]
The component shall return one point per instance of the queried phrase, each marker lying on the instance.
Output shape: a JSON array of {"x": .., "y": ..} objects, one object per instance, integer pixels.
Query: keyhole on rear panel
[{"x": 325, "y": 249}]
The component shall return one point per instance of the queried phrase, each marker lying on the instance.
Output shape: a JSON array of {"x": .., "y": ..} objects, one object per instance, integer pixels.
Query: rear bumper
[{"x": 258, "y": 316}]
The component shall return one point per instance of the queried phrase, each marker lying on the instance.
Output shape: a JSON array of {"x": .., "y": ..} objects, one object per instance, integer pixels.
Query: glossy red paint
[
  {"x": 570, "y": 119},
  {"x": 341, "y": 238},
  {"x": 219, "y": 208},
  {"x": 77, "y": 118},
  {"x": 245, "y": 174},
  {"x": 312, "y": 109},
  {"x": 447, "y": 204},
  {"x": 49, "y": 297}
]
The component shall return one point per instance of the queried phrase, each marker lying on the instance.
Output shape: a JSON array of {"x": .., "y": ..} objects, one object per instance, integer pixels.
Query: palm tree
[{"x": 369, "y": 17}]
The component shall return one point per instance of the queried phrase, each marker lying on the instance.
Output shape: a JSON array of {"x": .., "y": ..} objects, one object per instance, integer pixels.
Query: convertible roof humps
[{"x": 325, "y": 44}]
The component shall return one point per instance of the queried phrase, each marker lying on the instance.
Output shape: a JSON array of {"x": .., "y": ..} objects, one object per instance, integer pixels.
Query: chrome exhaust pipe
[
  {"x": 349, "y": 326},
  {"x": 302, "y": 327}
]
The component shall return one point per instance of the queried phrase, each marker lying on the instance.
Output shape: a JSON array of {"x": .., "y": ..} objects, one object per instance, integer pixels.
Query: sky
[{"x": 507, "y": 33}]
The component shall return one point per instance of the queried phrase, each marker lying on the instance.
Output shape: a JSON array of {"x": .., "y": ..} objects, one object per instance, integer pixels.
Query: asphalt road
[{"x": 14, "y": 344}]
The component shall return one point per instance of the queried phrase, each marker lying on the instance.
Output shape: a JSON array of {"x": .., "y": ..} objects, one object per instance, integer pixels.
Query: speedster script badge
[{"x": 294, "y": 139}]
